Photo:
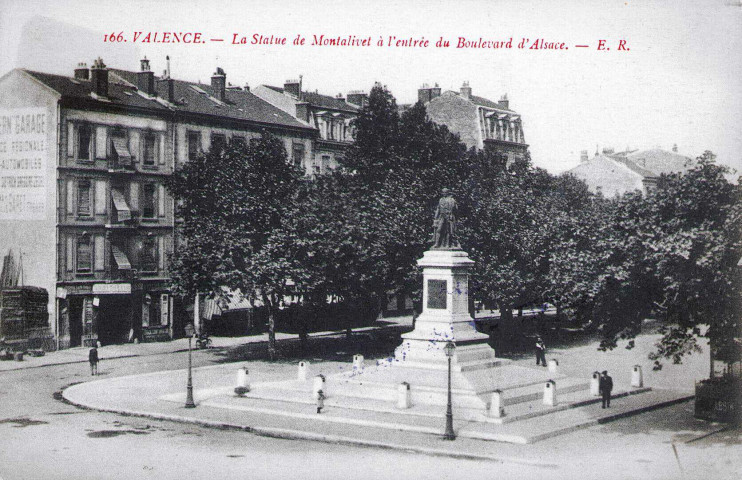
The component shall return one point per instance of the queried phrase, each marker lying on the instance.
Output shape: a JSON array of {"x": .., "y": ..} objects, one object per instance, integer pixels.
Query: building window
[
  {"x": 218, "y": 141},
  {"x": 238, "y": 141},
  {"x": 325, "y": 164},
  {"x": 84, "y": 141},
  {"x": 148, "y": 209},
  {"x": 83, "y": 198},
  {"x": 194, "y": 145},
  {"x": 149, "y": 254},
  {"x": 150, "y": 149},
  {"x": 298, "y": 154},
  {"x": 84, "y": 254}
]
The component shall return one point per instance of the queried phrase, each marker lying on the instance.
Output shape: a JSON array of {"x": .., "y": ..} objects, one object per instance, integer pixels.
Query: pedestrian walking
[
  {"x": 540, "y": 352},
  {"x": 93, "y": 359},
  {"x": 320, "y": 401},
  {"x": 605, "y": 387}
]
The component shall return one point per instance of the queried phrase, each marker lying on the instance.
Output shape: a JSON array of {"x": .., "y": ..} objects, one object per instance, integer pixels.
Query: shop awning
[
  {"x": 121, "y": 259},
  {"x": 122, "y": 150},
  {"x": 119, "y": 202}
]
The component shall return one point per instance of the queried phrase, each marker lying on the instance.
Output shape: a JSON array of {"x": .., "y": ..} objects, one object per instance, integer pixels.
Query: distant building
[
  {"x": 615, "y": 173},
  {"x": 83, "y": 163},
  {"x": 331, "y": 116},
  {"x": 479, "y": 122}
]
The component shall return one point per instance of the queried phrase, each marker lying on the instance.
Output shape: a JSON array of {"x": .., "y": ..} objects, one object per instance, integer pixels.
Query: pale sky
[{"x": 678, "y": 84}]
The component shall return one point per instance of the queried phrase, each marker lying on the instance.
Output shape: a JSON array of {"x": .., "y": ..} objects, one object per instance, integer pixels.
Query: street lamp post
[
  {"x": 449, "y": 435},
  {"x": 189, "y": 331}
]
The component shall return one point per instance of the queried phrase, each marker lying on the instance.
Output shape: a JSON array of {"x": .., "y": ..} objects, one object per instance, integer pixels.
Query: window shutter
[
  {"x": 134, "y": 145},
  {"x": 205, "y": 142},
  {"x": 161, "y": 252},
  {"x": 134, "y": 195},
  {"x": 100, "y": 196},
  {"x": 100, "y": 255},
  {"x": 100, "y": 142},
  {"x": 161, "y": 200},
  {"x": 70, "y": 254},
  {"x": 161, "y": 158},
  {"x": 70, "y": 139},
  {"x": 70, "y": 197}
]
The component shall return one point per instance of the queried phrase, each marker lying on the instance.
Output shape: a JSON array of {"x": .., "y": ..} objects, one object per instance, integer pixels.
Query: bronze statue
[{"x": 444, "y": 223}]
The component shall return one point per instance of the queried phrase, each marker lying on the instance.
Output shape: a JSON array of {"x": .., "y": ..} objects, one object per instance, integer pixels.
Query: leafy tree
[{"x": 234, "y": 203}]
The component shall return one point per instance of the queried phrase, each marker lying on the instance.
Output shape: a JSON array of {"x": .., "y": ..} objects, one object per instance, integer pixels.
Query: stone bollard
[
  {"x": 357, "y": 362},
  {"x": 595, "y": 384},
  {"x": 303, "y": 371},
  {"x": 637, "y": 380},
  {"x": 550, "y": 393},
  {"x": 553, "y": 364},
  {"x": 319, "y": 385},
  {"x": 242, "y": 378},
  {"x": 403, "y": 395},
  {"x": 496, "y": 408}
]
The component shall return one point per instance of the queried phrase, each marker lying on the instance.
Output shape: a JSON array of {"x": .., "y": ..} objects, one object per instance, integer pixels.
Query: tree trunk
[
  {"x": 303, "y": 328},
  {"x": 271, "y": 327}
]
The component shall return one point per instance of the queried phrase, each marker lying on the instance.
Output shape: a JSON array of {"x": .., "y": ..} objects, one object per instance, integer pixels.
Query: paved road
[{"x": 44, "y": 438}]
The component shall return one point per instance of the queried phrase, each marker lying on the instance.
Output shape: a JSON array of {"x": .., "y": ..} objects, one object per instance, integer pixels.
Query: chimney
[
  {"x": 246, "y": 87},
  {"x": 675, "y": 147},
  {"x": 340, "y": 97},
  {"x": 219, "y": 83},
  {"x": 302, "y": 111},
  {"x": 504, "y": 103},
  {"x": 82, "y": 72},
  {"x": 99, "y": 78},
  {"x": 358, "y": 98},
  {"x": 146, "y": 78},
  {"x": 166, "y": 89},
  {"x": 466, "y": 91},
  {"x": 424, "y": 94},
  {"x": 583, "y": 156},
  {"x": 292, "y": 87},
  {"x": 435, "y": 92}
]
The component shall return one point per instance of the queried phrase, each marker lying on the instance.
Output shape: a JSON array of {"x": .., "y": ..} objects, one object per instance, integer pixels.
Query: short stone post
[
  {"x": 303, "y": 371},
  {"x": 496, "y": 408},
  {"x": 319, "y": 386},
  {"x": 553, "y": 365},
  {"x": 403, "y": 395},
  {"x": 243, "y": 386},
  {"x": 242, "y": 377},
  {"x": 358, "y": 362},
  {"x": 637, "y": 380},
  {"x": 595, "y": 384},
  {"x": 550, "y": 393}
]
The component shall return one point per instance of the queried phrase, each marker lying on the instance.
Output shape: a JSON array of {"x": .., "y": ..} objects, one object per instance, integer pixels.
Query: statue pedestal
[{"x": 445, "y": 317}]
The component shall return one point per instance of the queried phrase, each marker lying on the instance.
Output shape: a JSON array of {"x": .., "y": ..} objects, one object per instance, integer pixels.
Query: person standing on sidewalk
[
  {"x": 93, "y": 359},
  {"x": 540, "y": 352},
  {"x": 605, "y": 387}
]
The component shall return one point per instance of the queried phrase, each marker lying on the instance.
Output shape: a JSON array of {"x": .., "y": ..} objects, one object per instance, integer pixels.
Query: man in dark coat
[
  {"x": 540, "y": 352},
  {"x": 93, "y": 359},
  {"x": 605, "y": 387}
]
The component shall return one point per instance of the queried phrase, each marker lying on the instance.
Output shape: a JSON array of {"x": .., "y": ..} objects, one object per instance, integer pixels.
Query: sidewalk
[
  {"x": 641, "y": 443},
  {"x": 126, "y": 350}
]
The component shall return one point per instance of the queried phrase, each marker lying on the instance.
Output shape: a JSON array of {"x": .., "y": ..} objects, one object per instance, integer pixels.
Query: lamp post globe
[
  {"x": 189, "y": 331},
  {"x": 449, "y": 435}
]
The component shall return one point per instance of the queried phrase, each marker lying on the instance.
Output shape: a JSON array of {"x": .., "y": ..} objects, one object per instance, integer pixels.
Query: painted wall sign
[
  {"x": 23, "y": 157},
  {"x": 112, "y": 288}
]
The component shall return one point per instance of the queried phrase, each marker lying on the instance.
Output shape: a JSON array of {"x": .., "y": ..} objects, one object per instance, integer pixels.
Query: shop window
[
  {"x": 84, "y": 254},
  {"x": 84, "y": 142},
  {"x": 148, "y": 209},
  {"x": 150, "y": 149},
  {"x": 83, "y": 198}
]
